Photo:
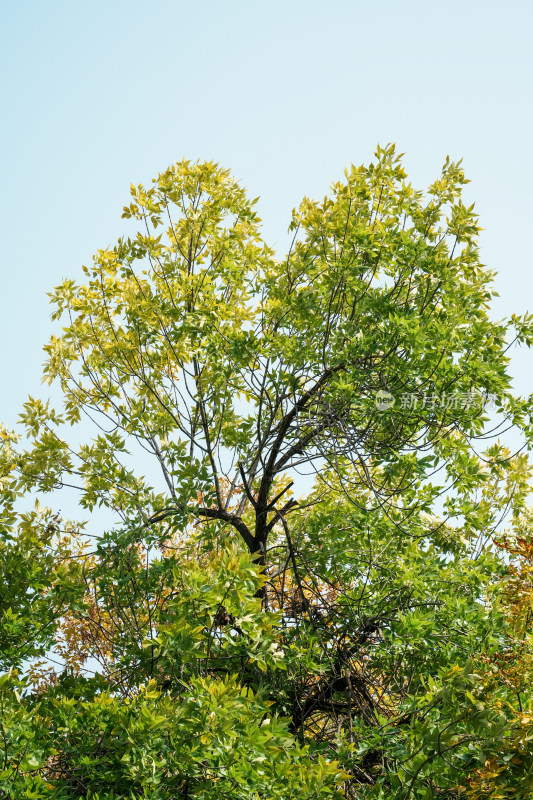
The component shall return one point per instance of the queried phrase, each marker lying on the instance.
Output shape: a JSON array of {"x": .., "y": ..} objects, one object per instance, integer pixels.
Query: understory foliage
[{"x": 316, "y": 575}]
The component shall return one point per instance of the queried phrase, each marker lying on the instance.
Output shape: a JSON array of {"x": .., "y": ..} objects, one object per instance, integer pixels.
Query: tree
[{"x": 365, "y": 609}]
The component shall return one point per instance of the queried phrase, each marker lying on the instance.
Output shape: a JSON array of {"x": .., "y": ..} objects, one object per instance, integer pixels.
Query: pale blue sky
[{"x": 285, "y": 93}]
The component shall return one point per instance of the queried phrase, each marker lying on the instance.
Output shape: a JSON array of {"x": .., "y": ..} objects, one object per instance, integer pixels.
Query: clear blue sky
[{"x": 285, "y": 93}]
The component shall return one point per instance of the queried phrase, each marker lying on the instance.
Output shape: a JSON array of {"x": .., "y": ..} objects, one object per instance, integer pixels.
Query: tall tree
[{"x": 359, "y": 606}]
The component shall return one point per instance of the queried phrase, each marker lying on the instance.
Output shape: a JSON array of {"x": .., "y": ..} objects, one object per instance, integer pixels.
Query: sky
[{"x": 285, "y": 93}]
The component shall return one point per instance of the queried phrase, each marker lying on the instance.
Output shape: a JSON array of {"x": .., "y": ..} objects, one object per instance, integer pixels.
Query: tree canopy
[{"x": 317, "y": 576}]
